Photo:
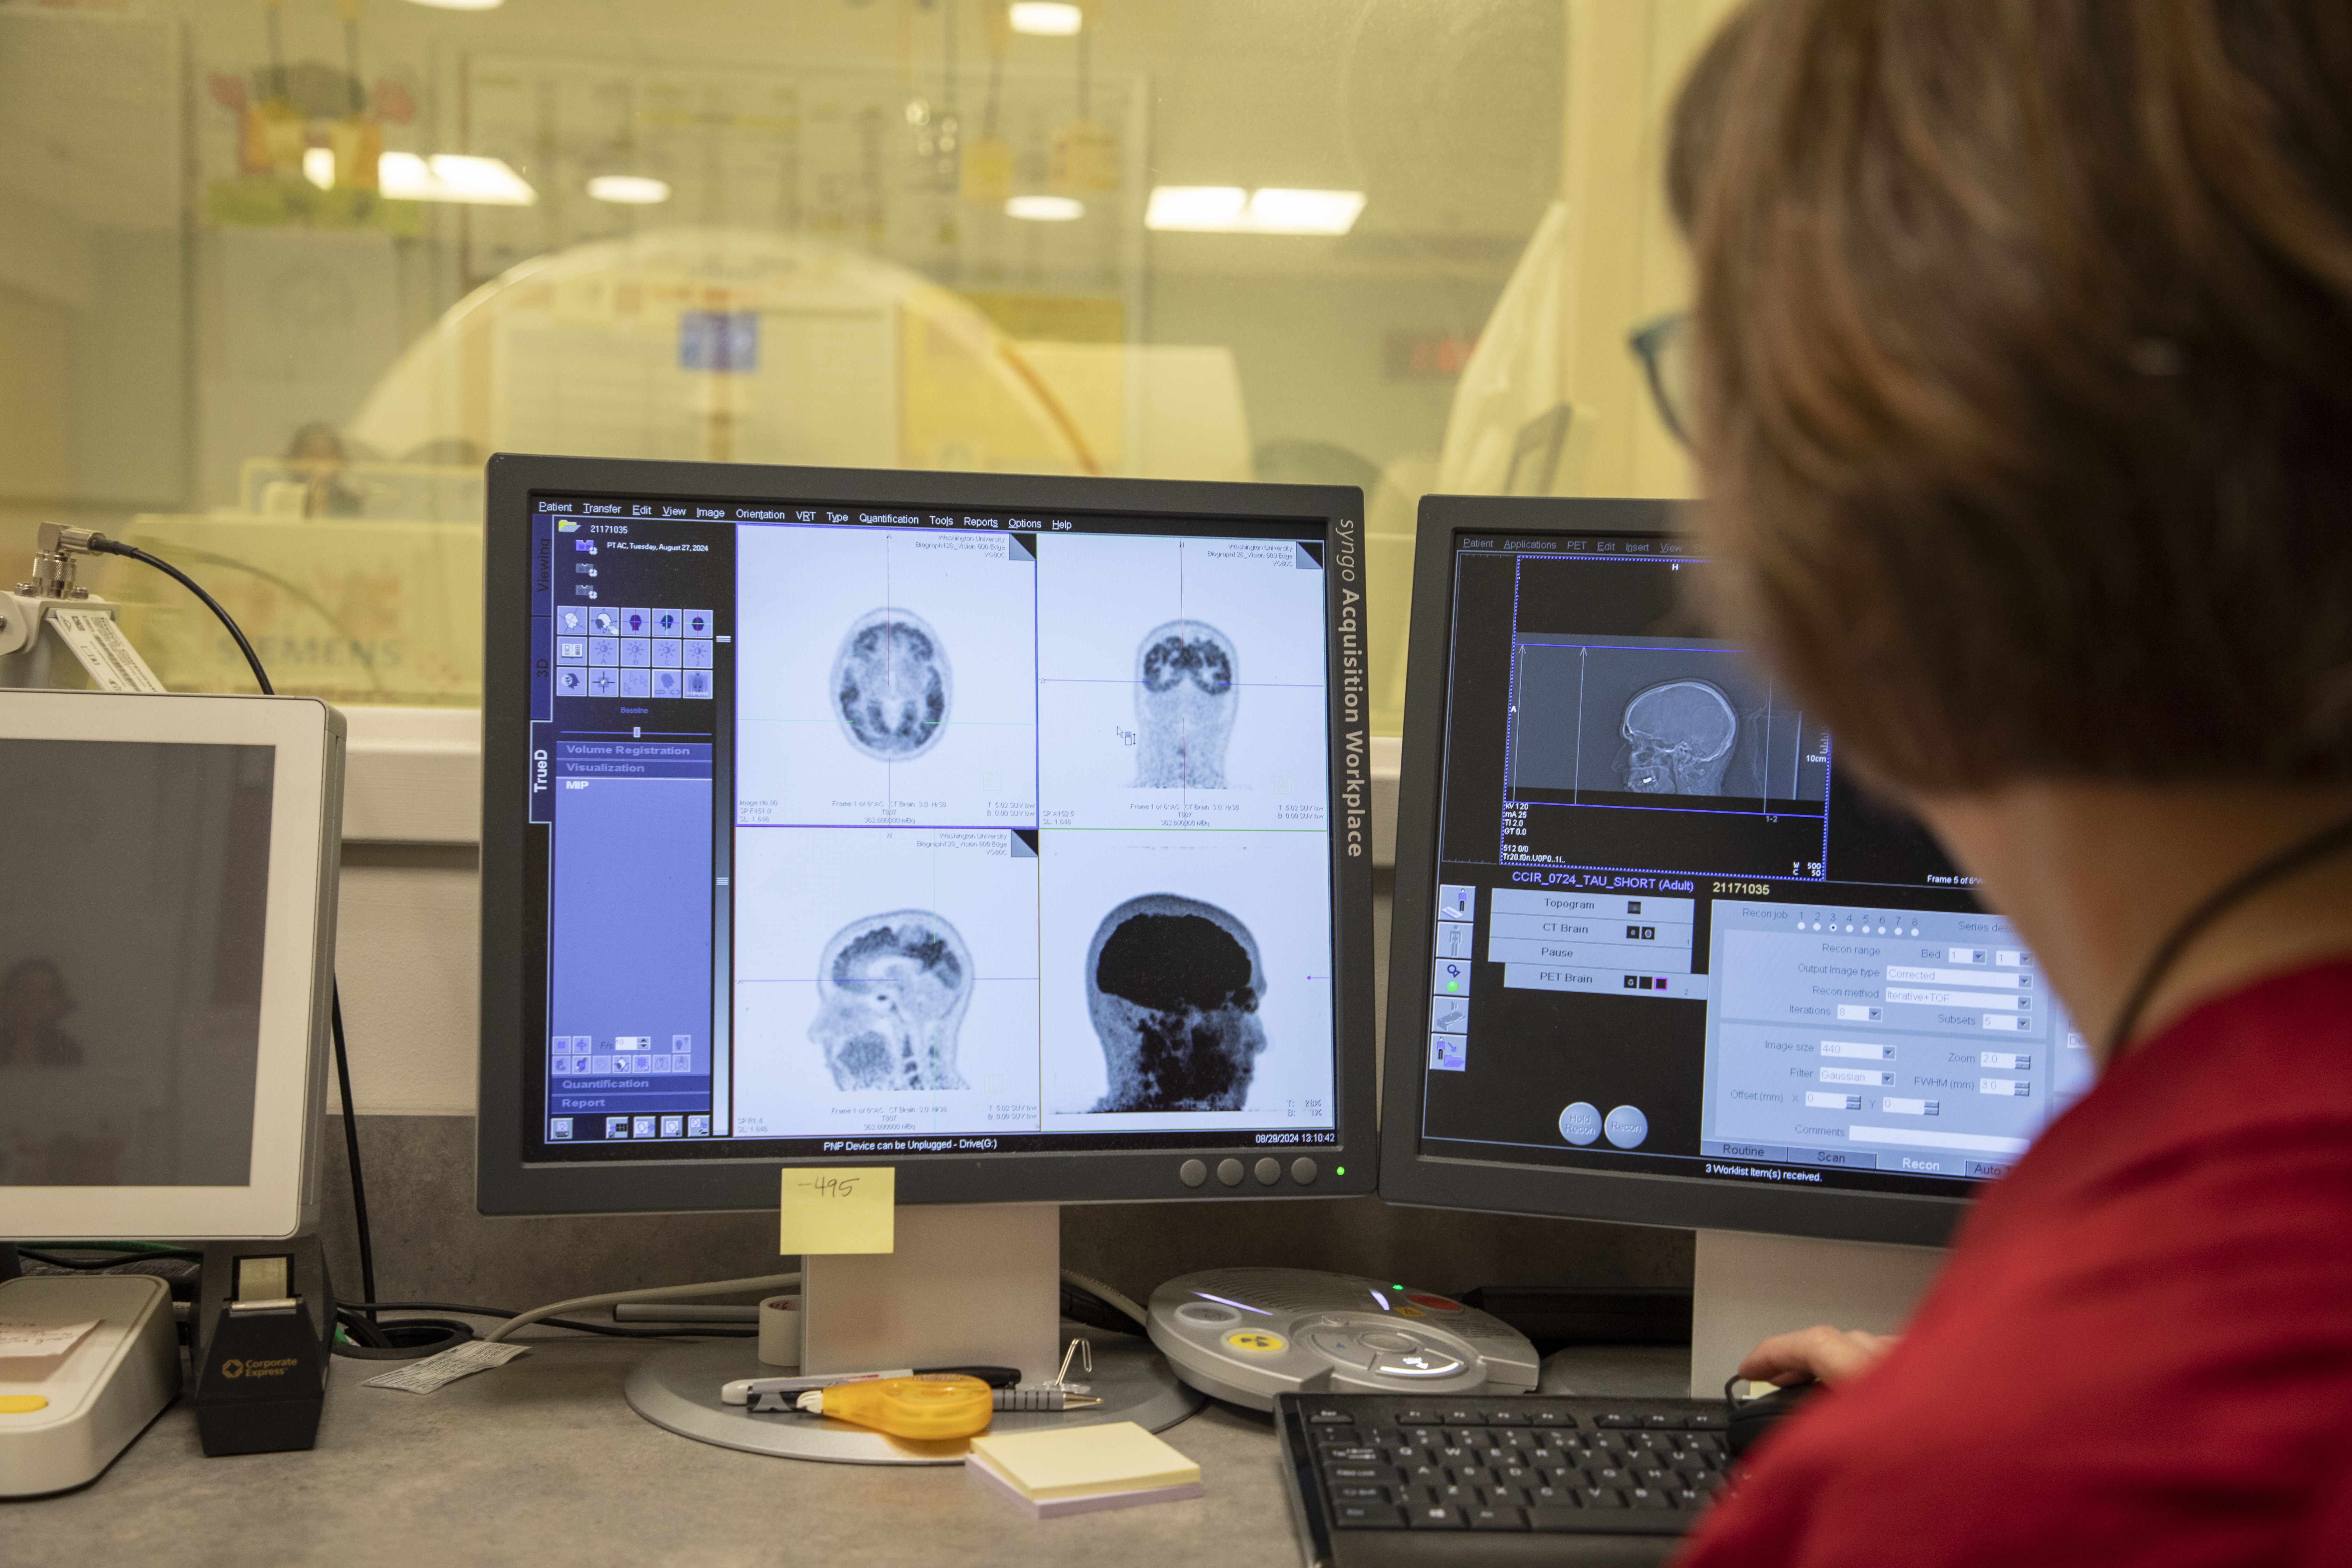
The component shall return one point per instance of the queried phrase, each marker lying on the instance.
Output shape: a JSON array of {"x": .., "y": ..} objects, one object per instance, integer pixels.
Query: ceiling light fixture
[
  {"x": 452, "y": 177},
  {"x": 629, "y": 190},
  {"x": 1047, "y": 18},
  {"x": 461, "y": 5},
  {"x": 1272, "y": 209},
  {"x": 1045, "y": 209},
  {"x": 318, "y": 167}
]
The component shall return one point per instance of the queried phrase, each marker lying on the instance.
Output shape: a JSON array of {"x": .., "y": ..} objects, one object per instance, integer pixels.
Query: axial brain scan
[
  {"x": 1184, "y": 700},
  {"x": 1173, "y": 986},
  {"x": 892, "y": 686},
  {"x": 1678, "y": 739},
  {"x": 892, "y": 991}
]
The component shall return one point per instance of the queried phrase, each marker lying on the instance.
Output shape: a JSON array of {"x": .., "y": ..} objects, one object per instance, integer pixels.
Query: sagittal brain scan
[
  {"x": 1184, "y": 700},
  {"x": 1173, "y": 986},
  {"x": 891, "y": 685},
  {"x": 892, "y": 991},
  {"x": 1678, "y": 739}
]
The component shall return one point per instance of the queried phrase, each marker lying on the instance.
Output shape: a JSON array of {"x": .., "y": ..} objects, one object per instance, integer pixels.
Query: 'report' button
[
  {"x": 1303, "y": 1171},
  {"x": 1269, "y": 1171},
  {"x": 21, "y": 1404},
  {"x": 1230, "y": 1173},
  {"x": 1192, "y": 1172}
]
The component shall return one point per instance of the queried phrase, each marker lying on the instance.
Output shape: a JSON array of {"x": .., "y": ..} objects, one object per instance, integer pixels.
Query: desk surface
[{"x": 542, "y": 1461}]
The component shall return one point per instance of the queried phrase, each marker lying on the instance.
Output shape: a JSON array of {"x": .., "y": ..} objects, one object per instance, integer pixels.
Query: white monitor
[{"x": 167, "y": 876}]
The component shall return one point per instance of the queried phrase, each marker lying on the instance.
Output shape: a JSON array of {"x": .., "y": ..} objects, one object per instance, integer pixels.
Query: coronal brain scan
[
  {"x": 1678, "y": 739},
  {"x": 1173, "y": 986},
  {"x": 1184, "y": 700},
  {"x": 892, "y": 991},
  {"x": 891, "y": 685}
]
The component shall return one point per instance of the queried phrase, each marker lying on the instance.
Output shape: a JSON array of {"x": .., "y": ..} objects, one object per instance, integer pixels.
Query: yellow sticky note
[{"x": 842, "y": 1208}]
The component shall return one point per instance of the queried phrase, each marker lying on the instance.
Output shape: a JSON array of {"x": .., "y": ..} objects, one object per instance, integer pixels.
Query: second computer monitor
[{"x": 1657, "y": 956}]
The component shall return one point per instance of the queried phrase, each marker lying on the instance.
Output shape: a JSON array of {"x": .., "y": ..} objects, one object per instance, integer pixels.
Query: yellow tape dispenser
[{"x": 924, "y": 1408}]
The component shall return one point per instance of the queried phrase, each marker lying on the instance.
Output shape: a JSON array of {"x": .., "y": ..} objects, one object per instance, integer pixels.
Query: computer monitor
[
  {"x": 1656, "y": 957},
  {"x": 166, "y": 962},
  {"x": 1008, "y": 831}
]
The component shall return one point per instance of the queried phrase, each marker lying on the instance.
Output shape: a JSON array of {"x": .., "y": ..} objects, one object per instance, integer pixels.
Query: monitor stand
[
  {"x": 1747, "y": 1287},
  {"x": 968, "y": 1285}
]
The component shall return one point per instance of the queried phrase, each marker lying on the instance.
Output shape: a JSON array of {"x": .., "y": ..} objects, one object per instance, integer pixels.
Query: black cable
[
  {"x": 2303, "y": 852},
  {"x": 101, "y": 545},
  {"x": 610, "y": 1331},
  {"x": 351, "y": 1146}
]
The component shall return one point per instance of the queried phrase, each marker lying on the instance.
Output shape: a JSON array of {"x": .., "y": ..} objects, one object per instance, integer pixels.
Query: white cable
[
  {"x": 1105, "y": 1294},
  {"x": 659, "y": 1293}
]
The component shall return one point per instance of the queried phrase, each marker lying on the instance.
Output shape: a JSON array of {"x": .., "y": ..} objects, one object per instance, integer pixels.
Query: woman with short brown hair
[{"x": 2022, "y": 367}]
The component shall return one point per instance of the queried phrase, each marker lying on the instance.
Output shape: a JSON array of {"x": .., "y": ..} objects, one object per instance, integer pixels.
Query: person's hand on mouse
[{"x": 1830, "y": 1356}]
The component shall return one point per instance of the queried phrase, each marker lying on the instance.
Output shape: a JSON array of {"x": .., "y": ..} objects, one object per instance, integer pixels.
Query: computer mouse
[{"x": 1751, "y": 1418}]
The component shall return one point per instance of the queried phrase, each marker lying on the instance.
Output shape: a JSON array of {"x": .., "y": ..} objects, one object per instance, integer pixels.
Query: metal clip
[{"x": 1083, "y": 1352}]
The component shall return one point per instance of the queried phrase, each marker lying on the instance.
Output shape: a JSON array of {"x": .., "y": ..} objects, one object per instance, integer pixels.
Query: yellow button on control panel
[
  {"x": 21, "y": 1404},
  {"x": 1257, "y": 1342}
]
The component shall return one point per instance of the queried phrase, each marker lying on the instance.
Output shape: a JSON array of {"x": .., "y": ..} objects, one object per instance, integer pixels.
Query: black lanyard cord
[{"x": 2329, "y": 840}]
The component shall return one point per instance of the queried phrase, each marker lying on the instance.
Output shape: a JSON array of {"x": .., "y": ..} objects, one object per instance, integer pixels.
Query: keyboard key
[
  {"x": 1471, "y": 1476},
  {"x": 1498, "y": 1519},
  {"x": 1556, "y": 1417},
  {"x": 1648, "y": 1497},
  {"x": 1691, "y": 1497},
  {"x": 1616, "y": 1419},
  {"x": 1373, "y": 1473},
  {"x": 1419, "y": 1415},
  {"x": 1556, "y": 1518},
  {"x": 1462, "y": 1416},
  {"x": 1362, "y": 1494},
  {"x": 1662, "y": 1423},
  {"x": 1432, "y": 1516},
  {"x": 1700, "y": 1443},
  {"x": 1607, "y": 1476},
  {"x": 1366, "y": 1516},
  {"x": 1707, "y": 1420},
  {"x": 1329, "y": 1414},
  {"x": 1601, "y": 1497},
  {"x": 1351, "y": 1456}
]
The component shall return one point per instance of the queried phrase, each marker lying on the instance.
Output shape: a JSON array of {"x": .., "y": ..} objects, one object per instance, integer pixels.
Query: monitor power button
[{"x": 1192, "y": 1172}]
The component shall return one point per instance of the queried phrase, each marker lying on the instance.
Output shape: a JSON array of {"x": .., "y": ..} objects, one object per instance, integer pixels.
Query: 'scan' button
[
  {"x": 1257, "y": 1342},
  {"x": 22, "y": 1404},
  {"x": 1304, "y": 1171}
]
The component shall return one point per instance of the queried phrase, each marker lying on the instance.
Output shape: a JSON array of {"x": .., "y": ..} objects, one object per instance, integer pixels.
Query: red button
[{"x": 1435, "y": 1303}]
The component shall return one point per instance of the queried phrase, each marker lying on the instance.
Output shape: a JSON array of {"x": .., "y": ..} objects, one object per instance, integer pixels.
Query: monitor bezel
[
  {"x": 280, "y": 1198},
  {"x": 508, "y": 1182},
  {"x": 1410, "y": 1176}
]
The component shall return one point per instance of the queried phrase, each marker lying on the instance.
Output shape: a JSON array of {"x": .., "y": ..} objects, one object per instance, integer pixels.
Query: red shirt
[{"x": 2141, "y": 1349}]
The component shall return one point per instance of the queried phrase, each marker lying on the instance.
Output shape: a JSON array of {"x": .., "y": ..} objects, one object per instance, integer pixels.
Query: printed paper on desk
[
  {"x": 439, "y": 1371},
  {"x": 26, "y": 1339},
  {"x": 840, "y": 1209}
]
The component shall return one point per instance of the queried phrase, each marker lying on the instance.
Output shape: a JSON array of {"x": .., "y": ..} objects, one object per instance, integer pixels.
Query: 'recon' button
[
  {"x": 1303, "y": 1171},
  {"x": 21, "y": 1404},
  {"x": 1257, "y": 1342}
]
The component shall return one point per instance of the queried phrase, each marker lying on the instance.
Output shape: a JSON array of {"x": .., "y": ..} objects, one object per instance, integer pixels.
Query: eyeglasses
[{"x": 1664, "y": 346}]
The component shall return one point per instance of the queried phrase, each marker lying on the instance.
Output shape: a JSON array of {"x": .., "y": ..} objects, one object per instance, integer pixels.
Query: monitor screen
[
  {"x": 861, "y": 829},
  {"x": 130, "y": 960},
  {"x": 1664, "y": 933}
]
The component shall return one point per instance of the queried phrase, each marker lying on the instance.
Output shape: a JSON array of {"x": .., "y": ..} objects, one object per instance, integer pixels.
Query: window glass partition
[{"x": 276, "y": 276}]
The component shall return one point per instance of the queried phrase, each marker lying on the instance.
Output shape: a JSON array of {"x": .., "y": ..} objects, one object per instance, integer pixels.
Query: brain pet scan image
[
  {"x": 892, "y": 990},
  {"x": 1184, "y": 700},
  {"x": 891, "y": 685},
  {"x": 1678, "y": 739},
  {"x": 1173, "y": 986}
]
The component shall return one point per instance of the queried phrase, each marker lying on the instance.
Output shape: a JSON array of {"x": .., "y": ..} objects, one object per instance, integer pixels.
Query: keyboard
[{"x": 1381, "y": 1478}]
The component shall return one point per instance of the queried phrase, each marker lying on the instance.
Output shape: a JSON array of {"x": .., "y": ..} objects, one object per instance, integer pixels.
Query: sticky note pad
[
  {"x": 840, "y": 1209},
  {"x": 1078, "y": 1461}
]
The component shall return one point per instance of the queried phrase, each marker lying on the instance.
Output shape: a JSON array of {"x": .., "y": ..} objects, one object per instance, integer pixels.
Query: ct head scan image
[
  {"x": 892, "y": 993},
  {"x": 891, "y": 685},
  {"x": 1678, "y": 739},
  {"x": 1173, "y": 986},
  {"x": 1185, "y": 694}
]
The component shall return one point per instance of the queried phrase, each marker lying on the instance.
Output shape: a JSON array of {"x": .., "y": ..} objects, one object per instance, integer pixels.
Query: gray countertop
[{"x": 543, "y": 1461}]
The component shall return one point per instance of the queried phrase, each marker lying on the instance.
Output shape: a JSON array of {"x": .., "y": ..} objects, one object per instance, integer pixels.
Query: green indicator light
[
  {"x": 1396, "y": 1287},
  {"x": 1341, "y": 1170}
]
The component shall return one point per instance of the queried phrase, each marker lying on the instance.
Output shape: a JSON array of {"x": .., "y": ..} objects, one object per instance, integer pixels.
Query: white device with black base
[
  {"x": 1247, "y": 1335},
  {"x": 166, "y": 962}
]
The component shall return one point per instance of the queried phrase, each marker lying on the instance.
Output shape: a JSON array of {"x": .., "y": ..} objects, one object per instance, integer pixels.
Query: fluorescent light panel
[
  {"x": 1045, "y": 209},
  {"x": 461, "y": 5},
  {"x": 452, "y": 177},
  {"x": 1270, "y": 209},
  {"x": 629, "y": 190},
  {"x": 1047, "y": 18}
]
